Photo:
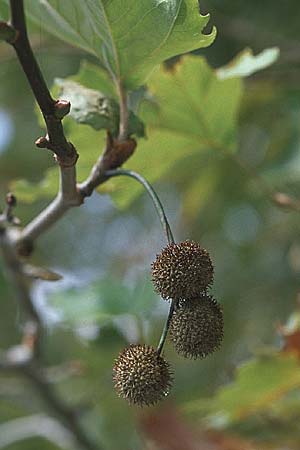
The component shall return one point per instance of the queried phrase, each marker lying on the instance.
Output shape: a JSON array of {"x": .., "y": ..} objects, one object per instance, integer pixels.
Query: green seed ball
[
  {"x": 196, "y": 328},
  {"x": 141, "y": 375},
  {"x": 182, "y": 271}
]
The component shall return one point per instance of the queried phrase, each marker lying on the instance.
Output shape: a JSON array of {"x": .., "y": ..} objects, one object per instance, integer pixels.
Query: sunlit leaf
[
  {"x": 121, "y": 34},
  {"x": 245, "y": 63},
  {"x": 258, "y": 384},
  {"x": 192, "y": 113}
]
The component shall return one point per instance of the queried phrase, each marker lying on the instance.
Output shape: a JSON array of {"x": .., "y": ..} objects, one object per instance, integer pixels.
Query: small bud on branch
[
  {"x": 11, "y": 200},
  {"x": 62, "y": 108},
  {"x": 42, "y": 142},
  {"x": 7, "y": 33}
]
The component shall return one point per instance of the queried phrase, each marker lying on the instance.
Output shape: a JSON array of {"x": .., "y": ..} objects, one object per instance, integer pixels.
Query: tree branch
[
  {"x": 66, "y": 414},
  {"x": 37, "y": 425},
  {"x": 53, "y": 111},
  {"x": 24, "y": 357},
  {"x": 67, "y": 197},
  {"x": 117, "y": 151},
  {"x": 114, "y": 155},
  {"x": 19, "y": 281}
]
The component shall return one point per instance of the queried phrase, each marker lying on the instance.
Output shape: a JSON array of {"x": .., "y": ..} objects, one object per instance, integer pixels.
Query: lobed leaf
[
  {"x": 128, "y": 38},
  {"x": 258, "y": 384},
  {"x": 191, "y": 114}
]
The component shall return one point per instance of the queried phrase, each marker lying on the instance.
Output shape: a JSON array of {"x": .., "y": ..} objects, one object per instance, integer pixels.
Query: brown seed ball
[
  {"x": 196, "y": 328},
  {"x": 182, "y": 271},
  {"x": 141, "y": 375}
]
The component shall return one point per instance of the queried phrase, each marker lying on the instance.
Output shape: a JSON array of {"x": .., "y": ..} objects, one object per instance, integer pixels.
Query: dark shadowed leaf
[{"x": 91, "y": 107}]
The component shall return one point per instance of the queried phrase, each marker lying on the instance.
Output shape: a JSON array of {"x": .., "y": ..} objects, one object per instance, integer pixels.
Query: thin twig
[
  {"x": 39, "y": 425},
  {"x": 66, "y": 414},
  {"x": 114, "y": 155},
  {"x": 166, "y": 227},
  {"x": 70, "y": 195},
  {"x": 67, "y": 197},
  {"x": 164, "y": 334},
  {"x": 24, "y": 358},
  {"x": 20, "y": 283},
  {"x": 55, "y": 140},
  {"x": 154, "y": 197},
  {"x": 52, "y": 110},
  {"x": 124, "y": 114}
]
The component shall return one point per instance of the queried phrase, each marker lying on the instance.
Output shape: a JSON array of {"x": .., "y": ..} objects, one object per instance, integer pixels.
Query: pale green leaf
[
  {"x": 95, "y": 77},
  {"x": 245, "y": 63},
  {"x": 91, "y": 107},
  {"x": 129, "y": 38},
  {"x": 192, "y": 114},
  {"x": 258, "y": 384},
  {"x": 103, "y": 301},
  {"x": 79, "y": 306}
]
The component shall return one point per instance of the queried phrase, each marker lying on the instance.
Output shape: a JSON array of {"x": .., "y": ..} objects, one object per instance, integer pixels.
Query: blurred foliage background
[{"x": 246, "y": 396}]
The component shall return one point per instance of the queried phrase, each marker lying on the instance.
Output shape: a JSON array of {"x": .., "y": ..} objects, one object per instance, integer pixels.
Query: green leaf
[
  {"x": 258, "y": 385},
  {"x": 129, "y": 38},
  {"x": 78, "y": 306},
  {"x": 91, "y": 107},
  {"x": 245, "y": 63},
  {"x": 102, "y": 301},
  {"x": 95, "y": 77},
  {"x": 192, "y": 114}
]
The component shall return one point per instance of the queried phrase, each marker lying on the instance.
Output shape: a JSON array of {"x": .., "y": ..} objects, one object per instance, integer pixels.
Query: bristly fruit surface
[
  {"x": 141, "y": 375},
  {"x": 182, "y": 271},
  {"x": 196, "y": 328}
]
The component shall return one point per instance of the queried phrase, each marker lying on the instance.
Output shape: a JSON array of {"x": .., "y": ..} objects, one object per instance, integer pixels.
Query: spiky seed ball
[
  {"x": 141, "y": 375},
  {"x": 196, "y": 328},
  {"x": 182, "y": 271}
]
